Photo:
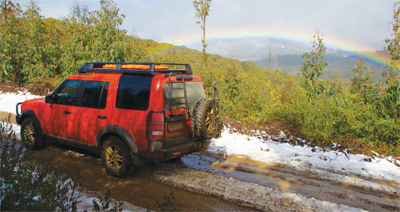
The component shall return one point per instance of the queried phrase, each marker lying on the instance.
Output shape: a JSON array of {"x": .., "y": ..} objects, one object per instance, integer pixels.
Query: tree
[
  {"x": 36, "y": 64},
  {"x": 135, "y": 50},
  {"x": 272, "y": 61},
  {"x": 393, "y": 46},
  {"x": 361, "y": 80},
  {"x": 391, "y": 96},
  {"x": 109, "y": 38},
  {"x": 230, "y": 87},
  {"x": 313, "y": 66},
  {"x": 93, "y": 36},
  {"x": 80, "y": 13},
  {"x": 202, "y": 11},
  {"x": 11, "y": 34}
]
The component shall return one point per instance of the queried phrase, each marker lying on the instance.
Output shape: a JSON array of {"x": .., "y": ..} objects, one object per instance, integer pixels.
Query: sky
[{"x": 352, "y": 25}]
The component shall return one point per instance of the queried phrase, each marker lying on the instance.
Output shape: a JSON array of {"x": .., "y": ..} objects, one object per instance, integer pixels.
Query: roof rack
[{"x": 134, "y": 68}]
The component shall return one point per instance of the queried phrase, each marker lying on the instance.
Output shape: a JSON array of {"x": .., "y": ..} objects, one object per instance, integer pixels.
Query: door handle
[
  {"x": 102, "y": 117},
  {"x": 67, "y": 112}
]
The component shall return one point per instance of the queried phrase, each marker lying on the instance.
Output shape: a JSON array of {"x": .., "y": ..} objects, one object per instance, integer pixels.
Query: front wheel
[
  {"x": 115, "y": 157},
  {"x": 30, "y": 136}
]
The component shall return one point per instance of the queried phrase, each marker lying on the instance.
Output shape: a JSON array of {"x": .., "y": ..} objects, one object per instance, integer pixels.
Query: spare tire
[{"x": 202, "y": 123}]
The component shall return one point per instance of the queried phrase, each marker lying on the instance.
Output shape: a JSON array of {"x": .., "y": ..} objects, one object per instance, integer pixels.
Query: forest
[{"x": 353, "y": 112}]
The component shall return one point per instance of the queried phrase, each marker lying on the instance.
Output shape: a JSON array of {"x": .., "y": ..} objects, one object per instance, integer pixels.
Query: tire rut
[
  {"x": 305, "y": 182},
  {"x": 139, "y": 188}
]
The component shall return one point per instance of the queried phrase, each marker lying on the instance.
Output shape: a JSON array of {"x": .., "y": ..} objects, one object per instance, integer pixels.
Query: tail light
[{"x": 155, "y": 126}]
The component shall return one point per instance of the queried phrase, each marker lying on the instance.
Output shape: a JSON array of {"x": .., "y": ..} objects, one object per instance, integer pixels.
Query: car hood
[{"x": 37, "y": 101}]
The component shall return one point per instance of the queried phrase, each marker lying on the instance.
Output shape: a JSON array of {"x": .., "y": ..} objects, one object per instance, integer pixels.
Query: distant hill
[{"x": 336, "y": 62}]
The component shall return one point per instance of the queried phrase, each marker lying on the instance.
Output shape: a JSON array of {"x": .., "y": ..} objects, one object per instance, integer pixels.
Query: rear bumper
[{"x": 179, "y": 150}]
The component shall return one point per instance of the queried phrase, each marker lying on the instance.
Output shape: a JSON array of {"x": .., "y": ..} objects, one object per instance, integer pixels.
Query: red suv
[{"x": 127, "y": 112}]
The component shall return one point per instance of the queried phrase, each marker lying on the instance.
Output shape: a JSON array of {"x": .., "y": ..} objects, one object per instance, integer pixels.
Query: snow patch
[{"x": 284, "y": 153}]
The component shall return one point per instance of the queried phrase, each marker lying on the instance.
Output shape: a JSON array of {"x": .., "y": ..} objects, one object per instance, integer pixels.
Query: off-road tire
[
  {"x": 199, "y": 119},
  {"x": 30, "y": 135},
  {"x": 115, "y": 157},
  {"x": 195, "y": 121}
]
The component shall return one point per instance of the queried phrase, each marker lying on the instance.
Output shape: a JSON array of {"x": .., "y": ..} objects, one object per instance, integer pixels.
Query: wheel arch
[
  {"x": 30, "y": 114},
  {"x": 113, "y": 130}
]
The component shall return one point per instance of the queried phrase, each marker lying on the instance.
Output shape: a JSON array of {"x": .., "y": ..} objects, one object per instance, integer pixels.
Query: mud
[
  {"x": 139, "y": 188},
  {"x": 210, "y": 181},
  {"x": 306, "y": 182}
]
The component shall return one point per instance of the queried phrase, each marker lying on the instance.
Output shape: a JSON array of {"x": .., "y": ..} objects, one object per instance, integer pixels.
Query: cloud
[{"x": 362, "y": 23}]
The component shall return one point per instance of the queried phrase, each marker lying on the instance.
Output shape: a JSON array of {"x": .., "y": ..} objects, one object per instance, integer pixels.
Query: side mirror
[
  {"x": 48, "y": 99},
  {"x": 51, "y": 98}
]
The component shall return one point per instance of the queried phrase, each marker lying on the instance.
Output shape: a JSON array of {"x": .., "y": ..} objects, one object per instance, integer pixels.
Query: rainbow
[{"x": 347, "y": 48}]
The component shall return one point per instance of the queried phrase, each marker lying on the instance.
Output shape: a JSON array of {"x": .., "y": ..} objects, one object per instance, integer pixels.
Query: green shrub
[
  {"x": 31, "y": 184},
  {"x": 334, "y": 117},
  {"x": 28, "y": 184},
  {"x": 104, "y": 203},
  {"x": 166, "y": 204}
]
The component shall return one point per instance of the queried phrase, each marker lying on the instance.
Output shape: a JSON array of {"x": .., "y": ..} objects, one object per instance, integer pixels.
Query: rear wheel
[
  {"x": 30, "y": 135},
  {"x": 115, "y": 157}
]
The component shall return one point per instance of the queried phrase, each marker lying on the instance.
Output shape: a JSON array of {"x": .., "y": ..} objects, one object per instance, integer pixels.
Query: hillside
[{"x": 336, "y": 62}]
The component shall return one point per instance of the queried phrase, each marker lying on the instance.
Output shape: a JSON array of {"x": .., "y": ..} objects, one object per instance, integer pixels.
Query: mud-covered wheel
[
  {"x": 195, "y": 122},
  {"x": 30, "y": 135},
  {"x": 202, "y": 122},
  {"x": 115, "y": 157}
]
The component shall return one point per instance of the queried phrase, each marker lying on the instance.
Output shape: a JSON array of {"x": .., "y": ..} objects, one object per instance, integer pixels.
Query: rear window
[
  {"x": 133, "y": 92},
  {"x": 194, "y": 91}
]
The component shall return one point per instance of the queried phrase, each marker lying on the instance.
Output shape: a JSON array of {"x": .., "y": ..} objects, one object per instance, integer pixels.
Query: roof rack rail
[{"x": 135, "y": 68}]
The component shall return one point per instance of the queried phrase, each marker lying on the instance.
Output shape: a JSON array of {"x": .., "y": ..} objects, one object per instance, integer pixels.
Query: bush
[
  {"x": 40, "y": 87},
  {"x": 31, "y": 184},
  {"x": 336, "y": 118},
  {"x": 166, "y": 204},
  {"x": 105, "y": 203},
  {"x": 28, "y": 184}
]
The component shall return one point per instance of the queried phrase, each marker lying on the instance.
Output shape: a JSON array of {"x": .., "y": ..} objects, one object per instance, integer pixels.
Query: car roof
[
  {"x": 96, "y": 76},
  {"x": 135, "y": 68}
]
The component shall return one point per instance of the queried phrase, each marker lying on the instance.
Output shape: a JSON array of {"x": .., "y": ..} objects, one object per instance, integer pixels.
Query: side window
[
  {"x": 133, "y": 92},
  {"x": 68, "y": 92},
  {"x": 95, "y": 94}
]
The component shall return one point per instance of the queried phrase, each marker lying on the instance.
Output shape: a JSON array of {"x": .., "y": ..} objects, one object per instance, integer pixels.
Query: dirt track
[
  {"x": 4, "y": 116},
  {"x": 213, "y": 182}
]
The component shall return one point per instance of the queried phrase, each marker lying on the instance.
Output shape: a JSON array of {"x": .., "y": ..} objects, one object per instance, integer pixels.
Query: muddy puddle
[
  {"x": 304, "y": 182},
  {"x": 139, "y": 188}
]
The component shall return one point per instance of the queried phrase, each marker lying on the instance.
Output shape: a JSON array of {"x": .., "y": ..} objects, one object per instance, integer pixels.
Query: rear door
[
  {"x": 94, "y": 111},
  {"x": 178, "y": 125},
  {"x": 132, "y": 105}
]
